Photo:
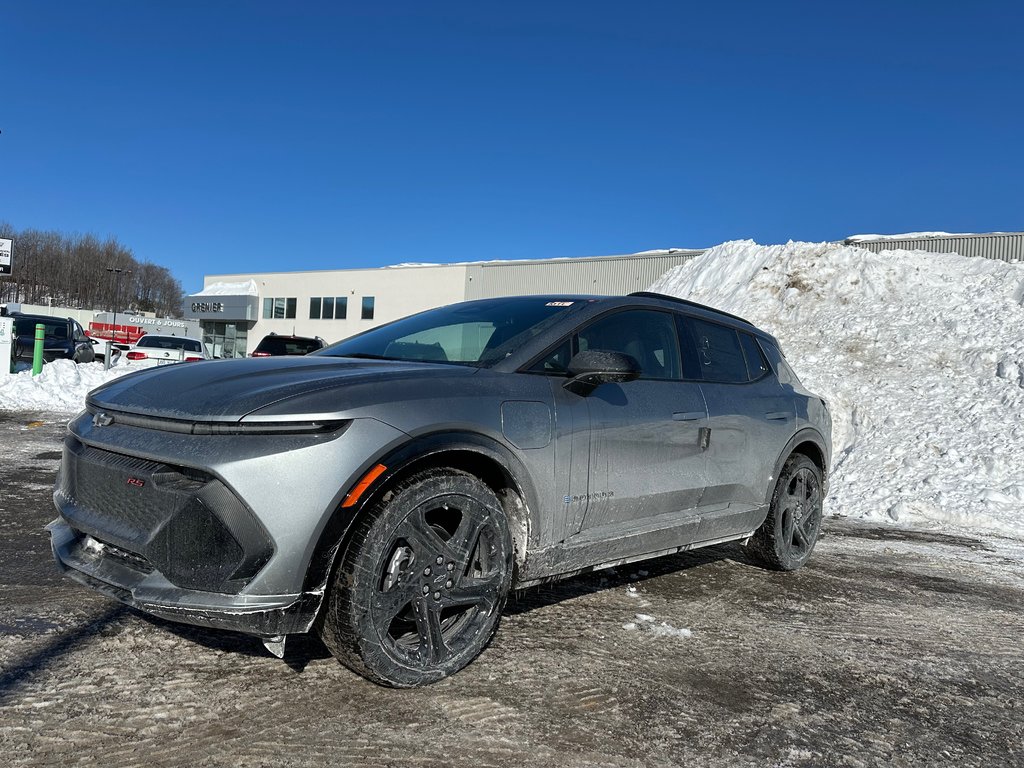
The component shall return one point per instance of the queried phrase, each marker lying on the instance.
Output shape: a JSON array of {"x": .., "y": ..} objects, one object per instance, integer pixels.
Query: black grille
[{"x": 183, "y": 522}]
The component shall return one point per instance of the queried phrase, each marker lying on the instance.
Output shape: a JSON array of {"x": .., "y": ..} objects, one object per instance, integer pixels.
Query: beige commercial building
[{"x": 237, "y": 310}]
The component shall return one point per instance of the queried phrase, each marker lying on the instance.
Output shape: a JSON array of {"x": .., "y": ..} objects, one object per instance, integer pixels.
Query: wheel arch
[
  {"x": 493, "y": 463},
  {"x": 809, "y": 443}
]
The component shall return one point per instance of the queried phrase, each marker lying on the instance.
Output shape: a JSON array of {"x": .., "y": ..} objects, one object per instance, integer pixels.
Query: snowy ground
[
  {"x": 890, "y": 648},
  {"x": 921, "y": 357}
]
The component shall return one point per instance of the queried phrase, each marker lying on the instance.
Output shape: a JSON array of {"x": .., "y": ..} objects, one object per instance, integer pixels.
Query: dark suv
[
  {"x": 390, "y": 490},
  {"x": 65, "y": 339},
  {"x": 274, "y": 345}
]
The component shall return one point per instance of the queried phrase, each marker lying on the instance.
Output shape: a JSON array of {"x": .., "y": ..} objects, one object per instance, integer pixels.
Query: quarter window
[{"x": 757, "y": 366}]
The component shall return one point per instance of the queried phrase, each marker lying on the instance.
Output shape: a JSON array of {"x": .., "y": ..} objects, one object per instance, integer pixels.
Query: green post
[{"x": 37, "y": 351}]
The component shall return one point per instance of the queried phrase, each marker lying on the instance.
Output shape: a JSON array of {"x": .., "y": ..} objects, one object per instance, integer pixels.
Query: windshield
[{"x": 477, "y": 333}]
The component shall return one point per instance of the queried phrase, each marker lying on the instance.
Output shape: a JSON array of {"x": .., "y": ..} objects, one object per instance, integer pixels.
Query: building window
[
  {"x": 328, "y": 308},
  {"x": 279, "y": 308},
  {"x": 367, "y": 307}
]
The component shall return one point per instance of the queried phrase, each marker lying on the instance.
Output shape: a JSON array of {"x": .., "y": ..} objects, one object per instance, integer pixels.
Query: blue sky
[{"x": 215, "y": 137}]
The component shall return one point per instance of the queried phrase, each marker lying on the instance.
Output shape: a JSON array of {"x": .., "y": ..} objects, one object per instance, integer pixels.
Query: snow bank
[
  {"x": 61, "y": 386},
  {"x": 921, "y": 357}
]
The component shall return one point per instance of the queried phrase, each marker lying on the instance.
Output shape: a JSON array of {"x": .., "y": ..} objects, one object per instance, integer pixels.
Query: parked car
[
  {"x": 65, "y": 339},
  {"x": 389, "y": 490},
  {"x": 274, "y": 344},
  {"x": 170, "y": 349},
  {"x": 99, "y": 348}
]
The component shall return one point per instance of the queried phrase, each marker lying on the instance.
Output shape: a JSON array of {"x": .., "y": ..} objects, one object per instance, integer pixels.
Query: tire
[
  {"x": 787, "y": 537},
  {"x": 421, "y": 586}
]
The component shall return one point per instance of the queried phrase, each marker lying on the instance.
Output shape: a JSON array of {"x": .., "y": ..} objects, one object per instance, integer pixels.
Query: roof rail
[{"x": 687, "y": 302}]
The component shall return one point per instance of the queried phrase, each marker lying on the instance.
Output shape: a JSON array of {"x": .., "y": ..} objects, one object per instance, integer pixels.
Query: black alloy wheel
[
  {"x": 423, "y": 582},
  {"x": 786, "y": 539}
]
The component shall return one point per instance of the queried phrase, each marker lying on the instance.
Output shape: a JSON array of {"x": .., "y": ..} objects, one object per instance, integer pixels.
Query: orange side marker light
[{"x": 362, "y": 485}]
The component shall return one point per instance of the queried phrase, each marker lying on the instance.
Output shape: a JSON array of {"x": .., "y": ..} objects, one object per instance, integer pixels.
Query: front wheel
[
  {"x": 786, "y": 538},
  {"x": 422, "y": 584}
]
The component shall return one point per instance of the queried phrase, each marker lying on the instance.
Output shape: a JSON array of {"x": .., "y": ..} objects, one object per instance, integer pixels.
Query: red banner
[{"x": 122, "y": 334}]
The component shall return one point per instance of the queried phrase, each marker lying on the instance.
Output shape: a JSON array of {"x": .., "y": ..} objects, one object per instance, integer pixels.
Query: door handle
[
  {"x": 688, "y": 415},
  {"x": 777, "y": 415}
]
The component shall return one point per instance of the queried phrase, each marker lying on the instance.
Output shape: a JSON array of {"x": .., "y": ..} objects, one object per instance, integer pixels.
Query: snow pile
[
  {"x": 920, "y": 355},
  {"x": 61, "y": 386},
  {"x": 243, "y": 288}
]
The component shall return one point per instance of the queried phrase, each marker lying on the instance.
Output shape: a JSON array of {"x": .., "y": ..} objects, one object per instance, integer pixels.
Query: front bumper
[{"x": 126, "y": 577}]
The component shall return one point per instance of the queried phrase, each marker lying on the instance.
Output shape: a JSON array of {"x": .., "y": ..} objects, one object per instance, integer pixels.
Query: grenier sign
[
  {"x": 207, "y": 306},
  {"x": 222, "y": 308}
]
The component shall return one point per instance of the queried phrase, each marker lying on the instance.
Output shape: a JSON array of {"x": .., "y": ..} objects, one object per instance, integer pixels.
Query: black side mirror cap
[{"x": 593, "y": 367}]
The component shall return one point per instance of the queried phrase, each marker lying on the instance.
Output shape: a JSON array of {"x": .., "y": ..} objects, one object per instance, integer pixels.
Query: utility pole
[{"x": 117, "y": 292}]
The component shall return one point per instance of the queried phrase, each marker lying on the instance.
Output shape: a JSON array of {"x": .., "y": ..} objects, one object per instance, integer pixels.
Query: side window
[
  {"x": 647, "y": 336},
  {"x": 718, "y": 352},
  {"x": 757, "y": 366}
]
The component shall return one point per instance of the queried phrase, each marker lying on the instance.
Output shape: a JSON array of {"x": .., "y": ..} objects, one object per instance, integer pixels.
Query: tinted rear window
[
  {"x": 169, "y": 342},
  {"x": 26, "y": 326},
  {"x": 280, "y": 345},
  {"x": 719, "y": 352}
]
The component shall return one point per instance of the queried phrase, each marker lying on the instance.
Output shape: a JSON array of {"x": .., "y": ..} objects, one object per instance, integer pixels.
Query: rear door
[{"x": 751, "y": 418}]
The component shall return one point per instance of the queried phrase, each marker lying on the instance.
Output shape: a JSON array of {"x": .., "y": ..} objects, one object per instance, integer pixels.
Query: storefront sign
[
  {"x": 6, "y": 256},
  {"x": 207, "y": 306}
]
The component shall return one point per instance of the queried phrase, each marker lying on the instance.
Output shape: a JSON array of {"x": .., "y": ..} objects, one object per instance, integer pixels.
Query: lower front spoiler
[{"x": 98, "y": 567}]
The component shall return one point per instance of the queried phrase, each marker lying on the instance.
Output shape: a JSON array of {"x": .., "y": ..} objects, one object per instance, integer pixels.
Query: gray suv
[{"x": 388, "y": 491}]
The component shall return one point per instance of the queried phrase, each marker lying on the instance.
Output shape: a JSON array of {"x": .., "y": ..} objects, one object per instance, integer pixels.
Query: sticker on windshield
[{"x": 559, "y": 304}]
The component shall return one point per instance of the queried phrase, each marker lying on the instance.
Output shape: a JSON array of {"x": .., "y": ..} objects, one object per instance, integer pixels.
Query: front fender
[{"x": 421, "y": 451}]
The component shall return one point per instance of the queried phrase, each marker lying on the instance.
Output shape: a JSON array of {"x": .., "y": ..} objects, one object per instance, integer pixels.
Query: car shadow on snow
[
  {"x": 20, "y": 672},
  {"x": 618, "y": 577},
  {"x": 301, "y": 649}
]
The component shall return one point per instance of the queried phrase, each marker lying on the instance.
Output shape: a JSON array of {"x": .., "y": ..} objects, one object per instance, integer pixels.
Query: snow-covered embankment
[{"x": 921, "y": 357}]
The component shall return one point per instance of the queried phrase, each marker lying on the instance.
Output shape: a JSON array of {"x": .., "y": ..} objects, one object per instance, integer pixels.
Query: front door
[{"x": 646, "y": 465}]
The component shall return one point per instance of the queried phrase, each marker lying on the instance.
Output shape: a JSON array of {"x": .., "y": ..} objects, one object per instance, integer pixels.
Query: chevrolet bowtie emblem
[{"x": 102, "y": 419}]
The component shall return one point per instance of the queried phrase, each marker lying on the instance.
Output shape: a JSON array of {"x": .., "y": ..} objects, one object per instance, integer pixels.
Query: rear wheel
[
  {"x": 422, "y": 584},
  {"x": 786, "y": 539}
]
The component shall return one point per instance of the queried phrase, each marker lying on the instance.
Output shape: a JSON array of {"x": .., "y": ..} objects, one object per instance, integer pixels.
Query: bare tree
[{"x": 71, "y": 270}]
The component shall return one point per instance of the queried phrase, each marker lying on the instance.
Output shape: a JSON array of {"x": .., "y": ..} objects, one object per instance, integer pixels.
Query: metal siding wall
[
  {"x": 606, "y": 275},
  {"x": 1008, "y": 247}
]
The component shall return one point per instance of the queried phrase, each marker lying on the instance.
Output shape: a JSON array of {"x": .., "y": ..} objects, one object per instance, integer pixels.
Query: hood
[{"x": 228, "y": 390}]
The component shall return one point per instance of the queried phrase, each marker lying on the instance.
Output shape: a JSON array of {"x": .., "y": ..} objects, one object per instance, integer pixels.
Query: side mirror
[{"x": 589, "y": 369}]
